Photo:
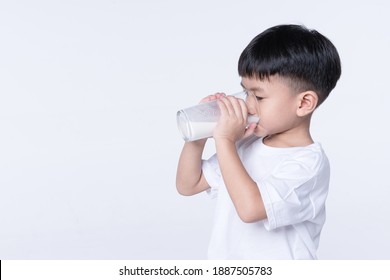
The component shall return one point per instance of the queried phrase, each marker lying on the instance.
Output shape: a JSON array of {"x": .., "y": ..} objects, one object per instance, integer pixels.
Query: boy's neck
[{"x": 296, "y": 137}]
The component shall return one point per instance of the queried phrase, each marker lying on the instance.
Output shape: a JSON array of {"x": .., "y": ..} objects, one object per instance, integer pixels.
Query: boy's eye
[{"x": 258, "y": 98}]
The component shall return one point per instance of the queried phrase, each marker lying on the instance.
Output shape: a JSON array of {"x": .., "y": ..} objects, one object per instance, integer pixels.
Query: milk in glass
[{"x": 198, "y": 122}]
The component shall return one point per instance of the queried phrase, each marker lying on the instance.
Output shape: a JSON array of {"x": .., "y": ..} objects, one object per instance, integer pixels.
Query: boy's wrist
[
  {"x": 197, "y": 143},
  {"x": 225, "y": 142}
]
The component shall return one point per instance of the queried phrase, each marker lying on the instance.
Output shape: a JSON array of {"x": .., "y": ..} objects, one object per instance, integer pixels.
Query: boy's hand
[
  {"x": 232, "y": 125},
  {"x": 213, "y": 97}
]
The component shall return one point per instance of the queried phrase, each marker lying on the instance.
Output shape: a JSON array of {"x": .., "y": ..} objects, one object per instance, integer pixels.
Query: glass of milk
[{"x": 198, "y": 122}]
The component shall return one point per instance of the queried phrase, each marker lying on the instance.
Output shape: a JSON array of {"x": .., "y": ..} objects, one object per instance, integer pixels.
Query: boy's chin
[{"x": 260, "y": 132}]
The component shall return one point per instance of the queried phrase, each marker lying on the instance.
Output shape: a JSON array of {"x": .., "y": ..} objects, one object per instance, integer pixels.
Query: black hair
[{"x": 305, "y": 57}]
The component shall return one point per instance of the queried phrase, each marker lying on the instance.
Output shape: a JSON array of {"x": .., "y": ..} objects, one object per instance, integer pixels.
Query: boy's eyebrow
[{"x": 251, "y": 89}]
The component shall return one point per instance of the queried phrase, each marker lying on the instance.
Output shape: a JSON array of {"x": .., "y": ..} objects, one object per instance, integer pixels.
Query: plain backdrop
[{"x": 89, "y": 91}]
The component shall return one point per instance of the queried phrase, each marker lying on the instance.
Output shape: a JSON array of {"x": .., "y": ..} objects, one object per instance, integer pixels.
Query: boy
[{"x": 271, "y": 178}]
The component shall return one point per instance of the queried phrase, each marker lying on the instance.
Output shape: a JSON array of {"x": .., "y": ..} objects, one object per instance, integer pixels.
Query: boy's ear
[{"x": 307, "y": 102}]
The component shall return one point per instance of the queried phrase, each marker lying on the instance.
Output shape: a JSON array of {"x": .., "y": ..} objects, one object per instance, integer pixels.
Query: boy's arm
[
  {"x": 189, "y": 177},
  {"x": 243, "y": 191}
]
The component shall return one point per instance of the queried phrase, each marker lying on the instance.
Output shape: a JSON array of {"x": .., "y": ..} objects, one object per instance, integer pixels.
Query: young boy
[{"x": 271, "y": 179}]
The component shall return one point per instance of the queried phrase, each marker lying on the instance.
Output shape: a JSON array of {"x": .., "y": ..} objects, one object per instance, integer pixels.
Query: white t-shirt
[{"x": 293, "y": 183}]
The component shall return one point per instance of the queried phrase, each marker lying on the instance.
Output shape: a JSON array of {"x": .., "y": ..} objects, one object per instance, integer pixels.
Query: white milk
[
  {"x": 199, "y": 121},
  {"x": 200, "y": 130}
]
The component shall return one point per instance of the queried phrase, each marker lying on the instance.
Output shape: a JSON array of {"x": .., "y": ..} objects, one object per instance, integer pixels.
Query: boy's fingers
[
  {"x": 229, "y": 105},
  {"x": 212, "y": 97},
  {"x": 222, "y": 106},
  {"x": 244, "y": 109},
  {"x": 220, "y": 94},
  {"x": 238, "y": 107}
]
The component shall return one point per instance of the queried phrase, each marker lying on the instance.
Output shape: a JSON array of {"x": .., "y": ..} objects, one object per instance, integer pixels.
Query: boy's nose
[{"x": 251, "y": 104}]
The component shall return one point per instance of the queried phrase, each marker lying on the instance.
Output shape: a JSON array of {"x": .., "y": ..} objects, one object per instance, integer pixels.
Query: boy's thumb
[{"x": 249, "y": 130}]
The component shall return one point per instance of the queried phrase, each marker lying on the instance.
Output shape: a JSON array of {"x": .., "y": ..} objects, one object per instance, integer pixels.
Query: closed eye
[{"x": 258, "y": 98}]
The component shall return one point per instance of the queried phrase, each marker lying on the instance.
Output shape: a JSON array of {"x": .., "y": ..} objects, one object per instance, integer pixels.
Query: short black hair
[{"x": 305, "y": 57}]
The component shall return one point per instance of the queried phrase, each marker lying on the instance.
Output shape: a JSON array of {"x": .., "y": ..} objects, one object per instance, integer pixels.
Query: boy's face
[{"x": 274, "y": 102}]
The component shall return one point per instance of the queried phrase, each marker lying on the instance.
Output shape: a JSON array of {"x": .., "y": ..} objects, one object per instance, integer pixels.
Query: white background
[{"x": 89, "y": 91}]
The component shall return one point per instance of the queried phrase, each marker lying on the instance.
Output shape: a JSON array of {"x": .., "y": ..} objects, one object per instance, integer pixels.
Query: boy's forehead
[
  {"x": 252, "y": 83},
  {"x": 256, "y": 84}
]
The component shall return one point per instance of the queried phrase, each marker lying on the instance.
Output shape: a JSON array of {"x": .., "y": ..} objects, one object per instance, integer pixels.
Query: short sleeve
[
  {"x": 296, "y": 190},
  {"x": 212, "y": 173}
]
